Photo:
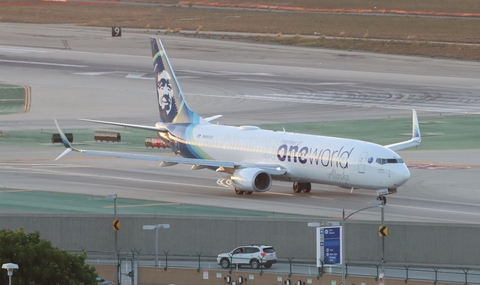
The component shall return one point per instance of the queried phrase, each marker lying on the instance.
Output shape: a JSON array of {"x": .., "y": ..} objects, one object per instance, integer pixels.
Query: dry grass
[
  {"x": 454, "y": 51},
  {"x": 456, "y": 6},
  {"x": 205, "y": 20}
]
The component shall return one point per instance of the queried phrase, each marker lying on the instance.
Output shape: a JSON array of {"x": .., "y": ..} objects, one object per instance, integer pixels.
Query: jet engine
[{"x": 251, "y": 179}]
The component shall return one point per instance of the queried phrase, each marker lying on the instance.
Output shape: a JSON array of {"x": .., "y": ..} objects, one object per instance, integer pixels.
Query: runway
[{"x": 92, "y": 75}]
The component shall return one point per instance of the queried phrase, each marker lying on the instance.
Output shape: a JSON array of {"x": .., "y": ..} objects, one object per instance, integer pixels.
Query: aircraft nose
[{"x": 402, "y": 175}]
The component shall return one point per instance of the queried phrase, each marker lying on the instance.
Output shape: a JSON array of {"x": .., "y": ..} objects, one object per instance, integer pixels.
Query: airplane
[{"x": 254, "y": 157}]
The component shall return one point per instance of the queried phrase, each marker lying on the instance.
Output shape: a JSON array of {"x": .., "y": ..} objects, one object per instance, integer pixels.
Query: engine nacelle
[{"x": 251, "y": 179}]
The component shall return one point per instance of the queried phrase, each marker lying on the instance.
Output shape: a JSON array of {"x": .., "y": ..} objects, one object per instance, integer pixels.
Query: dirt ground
[{"x": 435, "y": 36}]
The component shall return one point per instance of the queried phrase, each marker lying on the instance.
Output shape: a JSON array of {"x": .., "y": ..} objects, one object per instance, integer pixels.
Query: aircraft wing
[
  {"x": 166, "y": 161},
  {"x": 416, "y": 136},
  {"x": 148, "y": 128},
  {"x": 170, "y": 160}
]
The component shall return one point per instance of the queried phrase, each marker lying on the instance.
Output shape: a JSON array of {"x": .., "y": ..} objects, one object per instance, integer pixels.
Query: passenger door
[
  {"x": 361, "y": 162},
  {"x": 239, "y": 256}
]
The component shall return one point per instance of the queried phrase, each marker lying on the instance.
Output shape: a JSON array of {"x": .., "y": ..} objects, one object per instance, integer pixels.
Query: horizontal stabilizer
[{"x": 213, "y": 118}]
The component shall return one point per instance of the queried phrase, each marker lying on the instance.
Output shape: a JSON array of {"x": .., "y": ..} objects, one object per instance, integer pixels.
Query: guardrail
[{"x": 292, "y": 266}]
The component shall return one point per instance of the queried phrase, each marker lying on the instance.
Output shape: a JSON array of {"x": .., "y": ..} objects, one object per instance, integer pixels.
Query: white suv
[{"x": 253, "y": 255}]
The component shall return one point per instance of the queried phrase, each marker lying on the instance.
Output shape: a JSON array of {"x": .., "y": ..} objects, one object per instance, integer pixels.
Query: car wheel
[
  {"x": 225, "y": 263},
  {"x": 267, "y": 265},
  {"x": 254, "y": 264}
]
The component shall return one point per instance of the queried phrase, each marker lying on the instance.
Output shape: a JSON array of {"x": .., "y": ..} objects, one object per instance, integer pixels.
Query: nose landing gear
[
  {"x": 383, "y": 199},
  {"x": 382, "y": 193}
]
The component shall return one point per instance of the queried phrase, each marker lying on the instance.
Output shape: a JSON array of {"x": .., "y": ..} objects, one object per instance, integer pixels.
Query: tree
[{"x": 40, "y": 263}]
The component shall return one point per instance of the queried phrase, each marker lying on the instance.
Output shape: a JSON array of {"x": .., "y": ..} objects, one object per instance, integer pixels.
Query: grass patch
[
  {"x": 31, "y": 201},
  {"x": 132, "y": 140},
  {"x": 438, "y": 133}
]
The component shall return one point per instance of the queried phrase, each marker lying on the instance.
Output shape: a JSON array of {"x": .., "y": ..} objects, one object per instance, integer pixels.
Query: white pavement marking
[
  {"x": 21, "y": 50},
  {"x": 42, "y": 63}
]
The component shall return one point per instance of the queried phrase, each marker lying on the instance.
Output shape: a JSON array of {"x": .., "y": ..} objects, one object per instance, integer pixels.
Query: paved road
[{"x": 104, "y": 78}]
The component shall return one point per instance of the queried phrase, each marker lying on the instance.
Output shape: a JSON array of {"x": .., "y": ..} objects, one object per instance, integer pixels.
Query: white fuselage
[{"x": 307, "y": 158}]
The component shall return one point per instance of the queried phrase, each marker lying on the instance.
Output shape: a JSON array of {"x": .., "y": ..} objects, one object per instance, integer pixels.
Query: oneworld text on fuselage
[{"x": 316, "y": 156}]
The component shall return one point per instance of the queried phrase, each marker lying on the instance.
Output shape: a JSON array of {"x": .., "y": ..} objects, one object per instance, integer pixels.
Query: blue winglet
[{"x": 65, "y": 142}]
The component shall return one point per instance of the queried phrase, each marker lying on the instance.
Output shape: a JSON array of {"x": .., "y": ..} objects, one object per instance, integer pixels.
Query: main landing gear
[
  {"x": 299, "y": 187},
  {"x": 241, "y": 192}
]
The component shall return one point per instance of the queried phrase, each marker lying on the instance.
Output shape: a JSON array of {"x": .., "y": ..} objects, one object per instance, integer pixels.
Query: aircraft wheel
[
  {"x": 249, "y": 192},
  {"x": 297, "y": 187},
  {"x": 307, "y": 187},
  {"x": 239, "y": 192}
]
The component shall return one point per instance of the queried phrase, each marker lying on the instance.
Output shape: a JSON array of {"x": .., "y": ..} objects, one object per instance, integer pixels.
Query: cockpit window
[{"x": 388, "y": 160}]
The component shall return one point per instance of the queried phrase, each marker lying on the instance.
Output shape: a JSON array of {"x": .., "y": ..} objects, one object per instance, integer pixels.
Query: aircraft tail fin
[
  {"x": 171, "y": 102},
  {"x": 416, "y": 136}
]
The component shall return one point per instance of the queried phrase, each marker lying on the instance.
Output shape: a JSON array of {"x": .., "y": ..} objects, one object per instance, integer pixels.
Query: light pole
[
  {"x": 376, "y": 204},
  {"x": 10, "y": 267},
  {"x": 156, "y": 227}
]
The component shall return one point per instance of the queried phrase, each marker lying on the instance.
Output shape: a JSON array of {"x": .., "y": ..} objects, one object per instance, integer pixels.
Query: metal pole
[
  {"x": 115, "y": 218},
  {"x": 116, "y": 237},
  {"x": 383, "y": 238},
  {"x": 344, "y": 236},
  {"x": 9, "y": 278},
  {"x": 343, "y": 247},
  {"x": 156, "y": 246}
]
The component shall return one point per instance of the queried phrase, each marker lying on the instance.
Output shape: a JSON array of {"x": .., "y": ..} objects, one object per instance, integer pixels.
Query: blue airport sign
[{"x": 332, "y": 248}]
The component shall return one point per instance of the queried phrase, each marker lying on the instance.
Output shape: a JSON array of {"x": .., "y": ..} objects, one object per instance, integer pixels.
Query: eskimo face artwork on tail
[
  {"x": 171, "y": 102},
  {"x": 166, "y": 99}
]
